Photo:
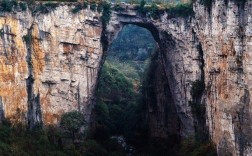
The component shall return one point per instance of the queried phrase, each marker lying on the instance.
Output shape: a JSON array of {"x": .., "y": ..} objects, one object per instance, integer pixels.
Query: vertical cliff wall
[
  {"x": 206, "y": 59},
  {"x": 224, "y": 29}
]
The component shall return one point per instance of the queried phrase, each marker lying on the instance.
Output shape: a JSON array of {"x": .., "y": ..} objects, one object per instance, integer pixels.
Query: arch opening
[{"x": 134, "y": 102}]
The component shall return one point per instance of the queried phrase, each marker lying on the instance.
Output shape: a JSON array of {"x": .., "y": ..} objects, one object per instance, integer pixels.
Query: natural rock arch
[
  {"x": 57, "y": 63},
  {"x": 66, "y": 55},
  {"x": 172, "y": 46}
]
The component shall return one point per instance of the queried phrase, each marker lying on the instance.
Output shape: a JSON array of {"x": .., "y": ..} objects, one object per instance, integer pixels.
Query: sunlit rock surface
[{"x": 49, "y": 63}]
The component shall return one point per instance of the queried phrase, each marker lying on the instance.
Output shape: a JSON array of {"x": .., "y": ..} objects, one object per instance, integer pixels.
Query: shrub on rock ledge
[{"x": 72, "y": 122}]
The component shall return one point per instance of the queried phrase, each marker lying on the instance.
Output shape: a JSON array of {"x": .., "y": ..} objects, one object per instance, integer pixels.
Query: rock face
[
  {"x": 209, "y": 52},
  {"x": 49, "y": 65},
  {"x": 178, "y": 60},
  {"x": 225, "y": 32}
]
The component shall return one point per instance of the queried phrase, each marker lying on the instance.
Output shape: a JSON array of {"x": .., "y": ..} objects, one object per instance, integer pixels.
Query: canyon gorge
[{"x": 50, "y": 64}]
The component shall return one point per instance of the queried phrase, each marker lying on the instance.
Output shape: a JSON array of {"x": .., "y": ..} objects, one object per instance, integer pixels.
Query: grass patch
[
  {"x": 118, "y": 8},
  {"x": 46, "y": 7},
  {"x": 180, "y": 10},
  {"x": 77, "y": 8},
  {"x": 84, "y": 5},
  {"x": 93, "y": 6},
  {"x": 23, "y": 6},
  {"x": 154, "y": 11},
  {"x": 8, "y": 5}
]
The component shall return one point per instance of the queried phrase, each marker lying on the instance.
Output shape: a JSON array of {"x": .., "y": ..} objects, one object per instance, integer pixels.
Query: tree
[
  {"x": 154, "y": 13},
  {"x": 106, "y": 13},
  {"x": 142, "y": 10},
  {"x": 72, "y": 122}
]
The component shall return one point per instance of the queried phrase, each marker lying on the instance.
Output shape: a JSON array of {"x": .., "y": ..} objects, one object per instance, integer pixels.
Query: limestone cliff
[
  {"x": 225, "y": 32},
  {"x": 179, "y": 60},
  {"x": 212, "y": 47},
  {"x": 49, "y": 64}
]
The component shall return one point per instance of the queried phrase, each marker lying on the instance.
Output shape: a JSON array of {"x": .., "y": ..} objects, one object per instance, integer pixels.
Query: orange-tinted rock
[{"x": 56, "y": 63}]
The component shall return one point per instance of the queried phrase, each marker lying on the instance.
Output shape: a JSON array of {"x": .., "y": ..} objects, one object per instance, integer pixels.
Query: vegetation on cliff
[
  {"x": 152, "y": 9},
  {"x": 173, "y": 10},
  {"x": 71, "y": 122},
  {"x": 180, "y": 10},
  {"x": 52, "y": 141},
  {"x": 9, "y": 5}
]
